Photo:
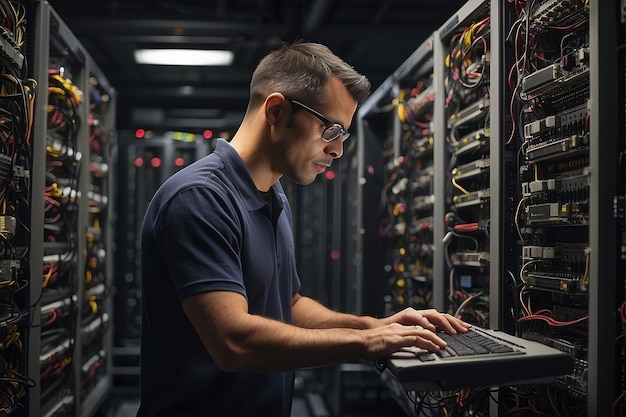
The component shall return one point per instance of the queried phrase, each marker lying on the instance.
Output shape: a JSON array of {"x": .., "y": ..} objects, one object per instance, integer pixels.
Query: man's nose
[{"x": 335, "y": 148}]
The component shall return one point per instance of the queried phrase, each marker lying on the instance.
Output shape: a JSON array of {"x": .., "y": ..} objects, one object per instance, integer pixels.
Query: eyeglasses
[{"x": 333, "y": 129}]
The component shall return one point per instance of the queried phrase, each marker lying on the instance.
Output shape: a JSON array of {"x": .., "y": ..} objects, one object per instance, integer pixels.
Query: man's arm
[
  {"x": 311, "y": 314},
  {"x": 239, "y": 341}
]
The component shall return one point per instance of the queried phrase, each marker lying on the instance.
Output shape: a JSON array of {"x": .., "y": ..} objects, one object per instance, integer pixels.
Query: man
[{"x": 224, "y": 325}]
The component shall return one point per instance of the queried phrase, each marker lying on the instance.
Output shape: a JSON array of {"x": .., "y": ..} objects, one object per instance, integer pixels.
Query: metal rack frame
[{"x": 49, "y": 27}]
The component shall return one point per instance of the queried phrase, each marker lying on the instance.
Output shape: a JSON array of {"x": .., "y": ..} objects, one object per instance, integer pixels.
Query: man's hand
[
  {"x": 385, "y": 340},
  {"x": 410, "y": 327},
  {"x": 429, "y": 319}
]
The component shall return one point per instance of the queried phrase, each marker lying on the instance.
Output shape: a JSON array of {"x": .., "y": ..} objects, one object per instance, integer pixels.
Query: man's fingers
[{"x": 429, "y": 340}]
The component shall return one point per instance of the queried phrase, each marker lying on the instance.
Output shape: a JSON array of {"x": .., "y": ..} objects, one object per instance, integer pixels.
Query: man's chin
[{"x": 303, "y": 181}]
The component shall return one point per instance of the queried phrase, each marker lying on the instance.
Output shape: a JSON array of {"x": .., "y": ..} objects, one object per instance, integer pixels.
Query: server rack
[
  {"x": 543, "y": 188},
  {"x": 395, "y": 190},
  {"x": 146, "y": 159},
  {"x": 466, "y": 81},
  {"x": 69, "y": 337},
  {"x": 392, "y": 191},
  {"x": 16, "y": 103}
]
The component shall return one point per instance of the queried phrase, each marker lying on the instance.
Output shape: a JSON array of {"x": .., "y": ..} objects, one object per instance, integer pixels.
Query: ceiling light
[{"x": 183, "y": 57}]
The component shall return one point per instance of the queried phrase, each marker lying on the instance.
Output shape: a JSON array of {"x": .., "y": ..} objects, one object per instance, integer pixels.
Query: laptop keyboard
[{"x": 468, "y": 344}]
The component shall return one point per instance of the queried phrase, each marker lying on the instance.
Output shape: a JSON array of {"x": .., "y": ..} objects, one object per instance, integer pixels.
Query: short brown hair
[{"x": 300, "y": 70}]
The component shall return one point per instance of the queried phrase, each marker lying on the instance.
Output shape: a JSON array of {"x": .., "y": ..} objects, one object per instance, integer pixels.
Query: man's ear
[{"x": 275, "y": 108}]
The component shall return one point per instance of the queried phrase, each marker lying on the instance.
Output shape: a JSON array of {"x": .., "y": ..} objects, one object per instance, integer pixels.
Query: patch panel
[
  {"x": 471, "y": 198},
  {"x": 557, "y": 13},
  {"x": 471, "y": 169},
  {"x": 477, "y": 259},
  {"x": 473, "y": 142},
  {"x": 472, "y": 112}
]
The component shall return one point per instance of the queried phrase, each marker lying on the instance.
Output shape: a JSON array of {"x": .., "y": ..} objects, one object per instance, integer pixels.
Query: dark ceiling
[{"x": 375, "y": 36}]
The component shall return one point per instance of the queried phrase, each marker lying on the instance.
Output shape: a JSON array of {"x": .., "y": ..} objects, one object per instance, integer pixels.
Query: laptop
[{"x": 501, "y": 360}]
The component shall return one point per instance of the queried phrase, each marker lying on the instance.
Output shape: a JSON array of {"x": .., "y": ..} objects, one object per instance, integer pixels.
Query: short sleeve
[{"x": 199, "y": 236}]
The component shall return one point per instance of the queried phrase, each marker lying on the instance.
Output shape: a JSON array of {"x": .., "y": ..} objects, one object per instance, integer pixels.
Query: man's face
[{"x": 302, "y": 154}]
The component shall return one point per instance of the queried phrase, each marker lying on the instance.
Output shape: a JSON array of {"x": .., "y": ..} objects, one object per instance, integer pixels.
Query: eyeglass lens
[{"x": 332, "y": 132}]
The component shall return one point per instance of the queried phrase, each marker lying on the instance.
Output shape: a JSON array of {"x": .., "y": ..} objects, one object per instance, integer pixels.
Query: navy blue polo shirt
[{"x": 208, "y": 228}]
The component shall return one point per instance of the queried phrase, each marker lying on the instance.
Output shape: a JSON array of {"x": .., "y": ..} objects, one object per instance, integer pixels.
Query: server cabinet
[
  {"x": 466, "y": 165},
  {"x": 17, "y": 93},
  {"x": 528, "y": 186},
  {"x": 69, "y": 341},
  {"x": 395, "y": 185}
]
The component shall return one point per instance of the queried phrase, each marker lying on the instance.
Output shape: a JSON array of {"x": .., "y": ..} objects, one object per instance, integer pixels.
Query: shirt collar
[{"x": 239, "y": 175}]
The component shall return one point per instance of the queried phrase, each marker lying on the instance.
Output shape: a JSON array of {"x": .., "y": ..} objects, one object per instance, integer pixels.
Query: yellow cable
[
  {"x": 46, "y": 277},
  {"x": 400, "y": 107},
  {"x": 4, "y": 284},
  {"x": 93, "y": 304},
  {"x": 463, "y": 190}
]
